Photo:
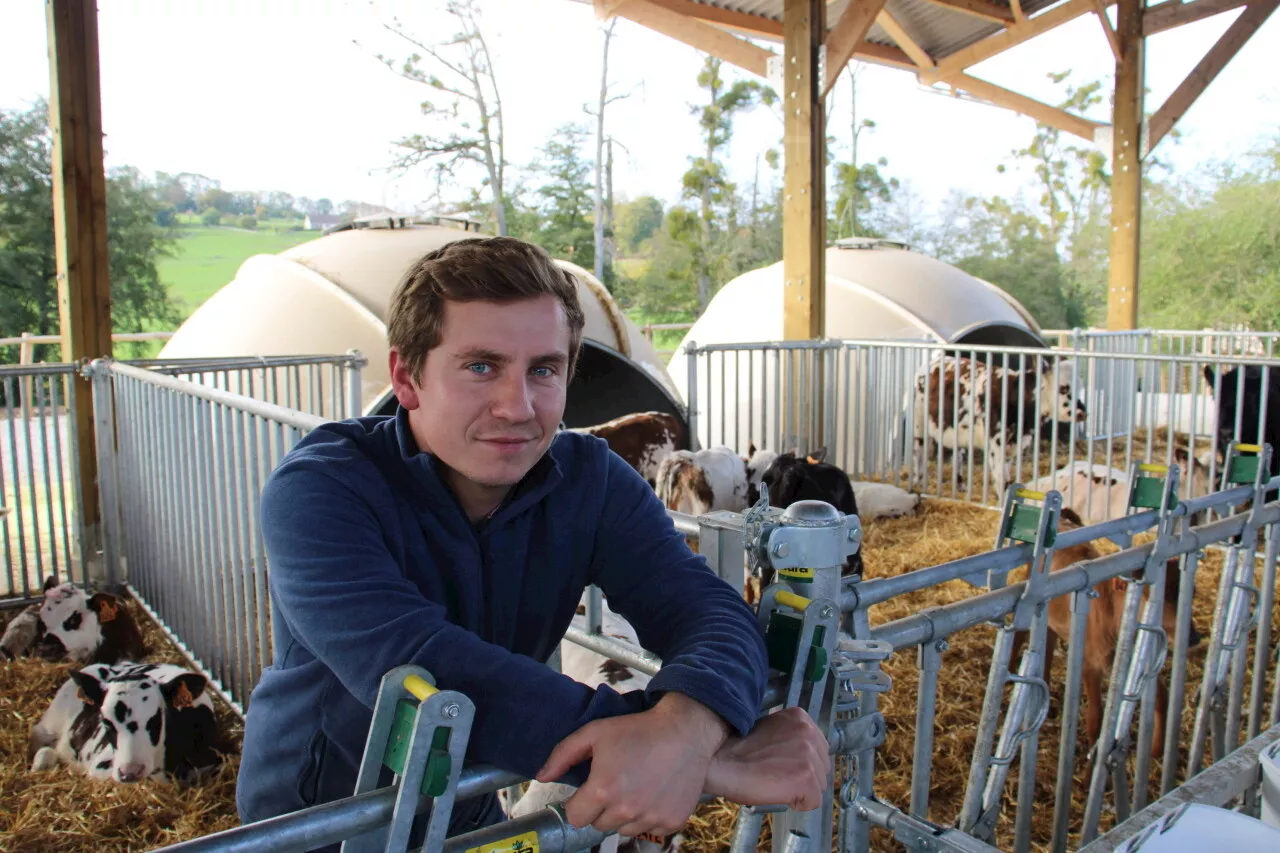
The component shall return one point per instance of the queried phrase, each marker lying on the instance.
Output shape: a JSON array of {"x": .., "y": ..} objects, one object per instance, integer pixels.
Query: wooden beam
[
  {"x": 1126, "y": 170},
  {"x": 890, "y": 25},
  {"x": 984, "y": 9},
  {"x": 1227, "y": 46},
  {"x": 606, "y": 8},
  {"x": 846, "y": 35},
  {"x": 1019, "y": 16},
  {"x": 1112, "y": 38},
  {"x": 1174, "y": 13},
  {"x": 1023, "y": 105},
  {"x": 804, "y": 205},
  {"x": 80, "y": 222},
  {"x": 1011, "y": 37},
  {"x": 697, "y": 34}
]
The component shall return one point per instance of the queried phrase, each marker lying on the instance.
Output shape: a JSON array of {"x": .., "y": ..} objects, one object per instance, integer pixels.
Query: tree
[
  {"x": 28, "y": 267},
  {"x": 638, "y": 221},
  {"x": 602, "y": 261},
  {"x": 565, "y": 197},
  {"x": 706, "y": 180},
  {"x": 859, "y": 188},
  {"x": 465, "y": 107}
]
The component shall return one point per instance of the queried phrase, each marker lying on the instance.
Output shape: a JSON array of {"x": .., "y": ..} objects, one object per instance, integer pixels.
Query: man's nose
[{"x": 514, "y": 402}]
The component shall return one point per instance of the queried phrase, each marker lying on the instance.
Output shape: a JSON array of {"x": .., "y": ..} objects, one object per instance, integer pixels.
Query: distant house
[{"x": 316, "y": 222}]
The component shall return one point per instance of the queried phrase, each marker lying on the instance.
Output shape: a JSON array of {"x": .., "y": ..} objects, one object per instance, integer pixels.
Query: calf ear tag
[
  {"x": 107, "y": 613},
  {"x": 182, "y": 697},
  {"x": 82, "y": 697}
]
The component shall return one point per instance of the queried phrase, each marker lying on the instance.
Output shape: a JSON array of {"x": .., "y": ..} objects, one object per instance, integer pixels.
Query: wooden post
[
  {"x": 1126, "y": 169},
  {"x": 80, "y": 222},
  {"x": 804, "y": 216}
]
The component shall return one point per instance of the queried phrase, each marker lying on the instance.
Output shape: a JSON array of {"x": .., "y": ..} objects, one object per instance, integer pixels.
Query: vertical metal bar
[
  {"x": 851, "y": 417},
  {"x": 40, "y": 384},
  {"x": 259, "y": 447},
  {"x": 59, "y": 422},
  {"x": 1178, "y": 672},
  {"x": 108, "y": 472},
  {"x": 929, "y": 662},
  {"x": 33, "y": 497},
  {"x": 11, "y": 565},
  {"x": 691, "y": 363},
  {"x": 1080, "y": 602}
]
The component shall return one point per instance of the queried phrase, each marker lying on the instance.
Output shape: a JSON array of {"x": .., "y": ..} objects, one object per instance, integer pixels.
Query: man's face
[{"x": 492, "y": 393}]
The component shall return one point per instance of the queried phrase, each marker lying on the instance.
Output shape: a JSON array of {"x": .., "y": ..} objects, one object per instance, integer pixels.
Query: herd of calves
[{"x": 116, "y": 716}]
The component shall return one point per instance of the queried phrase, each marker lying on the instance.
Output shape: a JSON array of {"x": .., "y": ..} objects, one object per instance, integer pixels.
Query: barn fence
[
  {"x": 869, "y": 404},
  {"x": 1232, "y": 343},
  {"x": 190, "y": 460},
  {"x": 42, "y": 532}
]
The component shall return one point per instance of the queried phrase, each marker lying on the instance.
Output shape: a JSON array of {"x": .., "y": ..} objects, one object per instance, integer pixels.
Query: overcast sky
[{"x": 275, "y": 95}]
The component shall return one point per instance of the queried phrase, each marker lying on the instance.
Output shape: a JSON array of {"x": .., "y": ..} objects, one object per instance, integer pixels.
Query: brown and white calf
[
  {"x": 958, "y": 399},
  {"x": 593, "y": 670},
  {"x": 1098, "y": 492},
  {"x": 699, "y": 482},
  {"x": 1102, "y": 631},
  {"x": 128, "y": 723},
  {"x": 643, "y": 439}
]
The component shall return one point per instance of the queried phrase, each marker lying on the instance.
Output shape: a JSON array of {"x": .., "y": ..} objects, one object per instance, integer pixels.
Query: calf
[
  {"x": 129, "y": 722},
  {"x": 1102, "y": 631},
  {"x": 22, "y": 632},
  {"x": 593, "y": 670},
  {"x": 792, "y": 479},
  {"x": 1010, "y": 419},
  {"x": 87, "y": 629},
  {"x": 1099, "y": 492},
  {"x": 1249, "y": 408},
  {"x": 643, "y": 439},
  {"x": 703, "y": 481}
]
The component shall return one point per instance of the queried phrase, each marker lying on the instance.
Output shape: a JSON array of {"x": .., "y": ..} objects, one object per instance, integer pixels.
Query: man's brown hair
[{"x": 499, "y": 269}]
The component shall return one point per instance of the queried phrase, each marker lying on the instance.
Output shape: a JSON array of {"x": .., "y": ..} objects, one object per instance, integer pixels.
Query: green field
[{"x": 207, "y": 258}]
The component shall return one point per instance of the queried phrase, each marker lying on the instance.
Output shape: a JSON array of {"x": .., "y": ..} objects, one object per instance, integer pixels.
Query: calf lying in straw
[
  {"x": 1102, "y": 630},
  {"x": 72, "y": 625},
  {"x": 593, "y": 670},
  {"x": 128, "y": 723}
]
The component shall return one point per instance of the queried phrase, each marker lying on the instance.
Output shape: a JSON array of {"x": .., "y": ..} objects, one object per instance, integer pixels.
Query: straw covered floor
[{"x": 63, "y": 811}]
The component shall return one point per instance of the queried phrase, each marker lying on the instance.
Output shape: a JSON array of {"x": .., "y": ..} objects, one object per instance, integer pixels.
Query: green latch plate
[
  {"x": 781, "y": 638},
  {"x": 1024, "y": 524},
  {"x": 1149, "y": 492},
  {"x": 1244, "y": 470},
  {"x": 436, "y": 780}
]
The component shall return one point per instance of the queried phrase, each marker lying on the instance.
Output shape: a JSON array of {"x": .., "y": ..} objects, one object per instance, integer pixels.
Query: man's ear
[{"x": 403, "y": 382}]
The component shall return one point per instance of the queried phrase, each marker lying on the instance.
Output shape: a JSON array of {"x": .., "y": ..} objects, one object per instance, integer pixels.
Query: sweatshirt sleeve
[
  {"x": 346, "y": 600},
  {"x": 711, "y": 647}
]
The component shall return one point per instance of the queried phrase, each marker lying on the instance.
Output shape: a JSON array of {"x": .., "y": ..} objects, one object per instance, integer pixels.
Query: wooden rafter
[
  {"x": 1227, "y": 46},
  {"x": 697, "y": 34},
  {"x": 1011, "y": 37},
  {"x": 890, "y": 25},
  {"x": 1018, "y": 15},
  {"x": 1107, "y": 29},
  {"x": 984, "y": 9},
  {"x": 1174, "y": 13},
  {"x": 606, "y": 8},
  {"x": 844, "y": 38},
  {"x": 1038, "y": 110}
]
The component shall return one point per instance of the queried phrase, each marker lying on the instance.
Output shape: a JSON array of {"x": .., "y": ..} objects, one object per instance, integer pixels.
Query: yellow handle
[
  {"x": 1152, "y": 468},
  {"x": 1027, "y": 493},
  {"x": 420, "y": 687},
  {"x": 1249, "y": 448},
  {"x": 790, "y": 599}
]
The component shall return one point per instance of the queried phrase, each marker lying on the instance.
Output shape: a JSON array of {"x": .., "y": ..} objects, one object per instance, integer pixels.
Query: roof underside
[{"x": 939, "y": 29}]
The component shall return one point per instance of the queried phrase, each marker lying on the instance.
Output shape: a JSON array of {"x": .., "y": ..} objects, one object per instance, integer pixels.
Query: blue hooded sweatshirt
[{"x": 373, "y": 564}]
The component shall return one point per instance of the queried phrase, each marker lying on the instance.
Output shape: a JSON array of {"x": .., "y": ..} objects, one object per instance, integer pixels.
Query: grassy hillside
[{"x": 207, "y": 258}]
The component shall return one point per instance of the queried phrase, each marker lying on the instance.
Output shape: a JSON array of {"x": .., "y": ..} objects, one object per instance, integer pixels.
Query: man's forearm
[{"x": 690, "y": 715}]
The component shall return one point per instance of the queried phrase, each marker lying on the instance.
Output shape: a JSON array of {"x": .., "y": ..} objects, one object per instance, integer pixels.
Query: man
[{"x": 458, "y": 535}]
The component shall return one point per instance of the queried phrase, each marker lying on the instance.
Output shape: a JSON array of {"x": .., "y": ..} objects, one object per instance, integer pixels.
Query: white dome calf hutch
[
  {"x": 332, "y": 294},
  {"x": 750, "y": 387}
]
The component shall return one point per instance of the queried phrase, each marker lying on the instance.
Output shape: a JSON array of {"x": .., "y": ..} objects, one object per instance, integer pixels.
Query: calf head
[
  {"x": 140, "y": 713},
  {"x": 757, "y": 462},
  {"x": 1249, "y": 404},
  {"x": 791, "y": 478},
  {"x": 86, "y": 628},
  {"x": 1057, "y": 400}
]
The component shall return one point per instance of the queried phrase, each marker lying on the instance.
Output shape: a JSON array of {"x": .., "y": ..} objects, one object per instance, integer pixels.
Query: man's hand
[
  {"x": 784, "y": 759},
  {"x": 647, "y": 770}
]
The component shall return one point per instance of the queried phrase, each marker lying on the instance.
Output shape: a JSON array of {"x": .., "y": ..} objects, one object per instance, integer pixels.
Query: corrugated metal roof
[{"x": 939, "y": 30}]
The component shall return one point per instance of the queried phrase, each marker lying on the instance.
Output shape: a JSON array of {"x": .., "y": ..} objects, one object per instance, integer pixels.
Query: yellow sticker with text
[
  {"x": 799, "y": 574},
  {"x": 524, "y": 843}
]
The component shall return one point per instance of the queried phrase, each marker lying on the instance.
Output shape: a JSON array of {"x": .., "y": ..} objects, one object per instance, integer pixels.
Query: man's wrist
[{"x": 713, "y": 729}]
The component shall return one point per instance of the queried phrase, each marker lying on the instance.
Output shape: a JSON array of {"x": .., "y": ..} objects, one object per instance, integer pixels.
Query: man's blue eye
[
  {"x": 477, "y": 367},
  {"x": 543, "y": 371}
]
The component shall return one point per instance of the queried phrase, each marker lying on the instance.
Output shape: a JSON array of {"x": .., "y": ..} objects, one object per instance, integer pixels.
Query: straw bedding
[{"x": 60, "y": 811}]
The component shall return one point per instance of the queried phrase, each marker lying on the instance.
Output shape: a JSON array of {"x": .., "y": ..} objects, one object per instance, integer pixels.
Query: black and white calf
[
  {"x": 86, "y": 628},
  {"x": 129, "y": 722},
  {"x": 593, "y": 670}
]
